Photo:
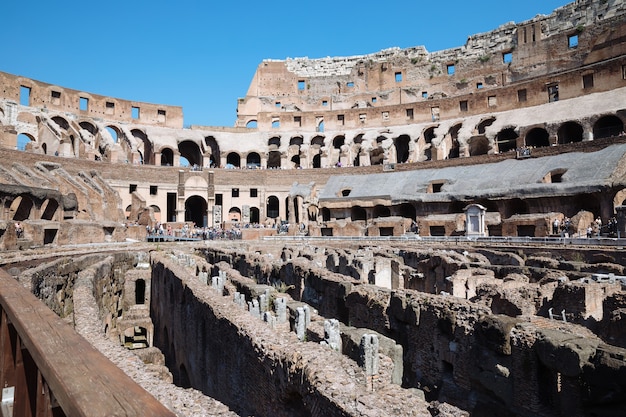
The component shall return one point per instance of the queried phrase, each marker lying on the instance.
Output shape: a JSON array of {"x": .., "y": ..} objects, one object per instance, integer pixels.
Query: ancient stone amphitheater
[{"x": 404, "y": 233}]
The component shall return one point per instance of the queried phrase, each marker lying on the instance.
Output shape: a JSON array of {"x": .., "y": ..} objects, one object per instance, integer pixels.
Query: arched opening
[
  {"x": 402, "y": 148},
  {"x": 478, "y": 145},
  {"x": 317, "y": 161},
  {"x": 482, "y": 126},
  {"x": 296, "y": 140},
  {"x": 274, "y": 141},
  {"x": 516, "y": 206},
  {"x": 191, "y": 151},
  {"x": 318, "y": 140},
  {"x": 251, "y": 124},
  {"x": 570, "y": 132},
  {"x": 296, "y": 161},
  {"x": 253, "y": 160},
  {"x": 214, "y": 158},
  {"x": 167, "y": 157},
  {"x": 358, "y": 213},
  {"x": 325, "y": 214},
  {"x": 255, "y": 215},
  {"x": 23, "y": 140},
  {"x": 157, "y": 212},
  {"x": 273, "y": 207},
  {"x": 274, "y": 159},
  {"x": 233, "y": 160},
  {"x": 195, "y": 211},
  {"x": 454, "y": 141},
  {"x": 429, "y": 134},
  {"x": 234, "y": 215},
  {"x": 21, "y": 208},
  {"x": 339, "y": 141},
  {"x": 537, "y": 138},
  {"x": 377, "y": 156},
  {"x": 506, "y": 140},
  {"x": 381, "y": 211},
  {"x": 406, "y": 210},
  {"x": 140, "y": 291},
  {"x": 49, "y": 209},
  {"x": 88, "y": 127},
  {"x": 61, "y": 122},
  {"x": 608, "y": 126},
  {"x": 144, "y": 146},
  {"x": 114, "y": 133}
]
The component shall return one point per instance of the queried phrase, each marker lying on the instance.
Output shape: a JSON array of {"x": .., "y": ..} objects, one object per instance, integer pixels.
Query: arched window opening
[
  {"x": 478, "y": 145},
  {"x": 317, "y": 161},
  {"x": 338, "y": 142},
  {"x": 538, "y": 138},
  {"x": 211, "y": 143},
  {"x": 21, "y": 208},
  {"x": 233, "y": 160},
  {"x": 61, "y": 122},
  {"x": 608, "y": 126},
  {"x": 377, "y": 156},
  {"x": 255, "y": 215},
  {"x": 273, "y": 207},
  {"x": 318, "y": 140},
  {"x": 297, "y": 140},
  {"x": 88, "y": 127},
  {"x": 429, "y": 134},
  {"x": 252, "y": 124},
  {"x": 570, "y": 132},
  {"x": 274, "y": 159},
  {"x": 482, "y": 126},
  {"x": 191, "y": 151},
  {"x": 296, "y": 161},
  {"x": 274, "y": 141},
  {"x": 506, "y": 140},
  {"x": 253, "y": 160},
  {"x": 325, "y": 214},
  {"x": 407, "y": 211},
  {"x": 49, "y": 209},
  {"x": 358, "y": 213},
  {"x": 23, "y": 141},
  {"x": 144, "y": 146},
  {"x": 402, "y": 148},
  {"x": 234, "y": 215},
  {"x": 114, "y": 133},
  {"x": 196, "y": 211},
  {"x": 167, "y": 157},
  {"x": 381, "y": 211}
]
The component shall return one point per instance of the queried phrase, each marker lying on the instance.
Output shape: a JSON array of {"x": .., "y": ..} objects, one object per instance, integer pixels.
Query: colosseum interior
[{"x": 403, "y": 233}]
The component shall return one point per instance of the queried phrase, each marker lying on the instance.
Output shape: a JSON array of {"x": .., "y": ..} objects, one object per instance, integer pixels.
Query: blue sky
[{"x": 202, "y": 55}]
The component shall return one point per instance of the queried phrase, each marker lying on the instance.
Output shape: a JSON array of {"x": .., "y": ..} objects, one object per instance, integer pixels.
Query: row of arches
[
  {"x": 24, "y": 207},
  {"x": 86, "y": 138}
]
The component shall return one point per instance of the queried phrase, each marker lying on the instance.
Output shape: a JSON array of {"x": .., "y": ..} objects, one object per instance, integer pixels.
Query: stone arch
[
  {"x": 24, "y": 140},
  {"x": 89, "y": 127},
  {"x": 274, "y": 159},
  {"x": 358, "y": 213},
  {"x": 608, "y": 126},
  {"x": 273, "y": 207},
  {"x": 481, "y": 128},
  {"x": 157, "y": 212},
  {"x": 196, "y": 210},
  {"x": 325, "y": 214},
  {"x": 190, "y": 150},
  {"x": 115, "y": 133},
  {"x": 339, "y": 141},
  {"x": 455, "y": 147},
  {"x": 569, "y": 132},
  {"x": 213, "y": 149},
  {"x": 234, "y": 215},
  {"x": 402, "y": 143},
  {"x": 253, "y": 160},
  {"x": 317, "y": 143},
  {"x": 167, "y": 157},
  {"x": 61, "y": 122},
  {"x": 537, "y": 137},
  {"x": 21, "y": 208},
  {"x": 251, "y": 124},
  {"x": 506, "y": 139},
  {"x": 144, "y": 147},
  {"x": 49, "y": 209},
  {"x": 274, "y": 141},
  {"x": 233, "y": 160},
  {"x": 516, "y": 206}
]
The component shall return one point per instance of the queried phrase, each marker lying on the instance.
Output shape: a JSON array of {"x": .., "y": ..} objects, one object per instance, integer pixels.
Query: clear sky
[{"x": 202, "y": 54}]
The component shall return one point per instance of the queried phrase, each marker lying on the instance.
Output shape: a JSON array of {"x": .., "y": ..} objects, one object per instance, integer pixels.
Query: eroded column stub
[
  {"x": 369, "y": 354},
  {"x": 280, "y": 308},
  {"x": 332, "y": 334}
]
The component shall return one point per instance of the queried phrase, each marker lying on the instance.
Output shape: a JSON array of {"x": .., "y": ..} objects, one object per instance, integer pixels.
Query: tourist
[{"x": 19, "y": 232}]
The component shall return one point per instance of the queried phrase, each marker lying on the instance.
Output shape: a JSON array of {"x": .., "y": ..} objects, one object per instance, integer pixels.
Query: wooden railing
[{"x": 50, "y": 370}]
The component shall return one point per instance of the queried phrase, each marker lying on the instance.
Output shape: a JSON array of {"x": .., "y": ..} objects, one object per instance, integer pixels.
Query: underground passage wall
[{"x": 213, "y": 345}]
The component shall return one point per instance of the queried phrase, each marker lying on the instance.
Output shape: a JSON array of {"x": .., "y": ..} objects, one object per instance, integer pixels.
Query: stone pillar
[
  {"x": 332, "y": 334},
  {"x": 269, "y": 319},
  {"x": 253, "y": 307},
  {"x": 621, "y": 221},
  {"x": 240, "y": 299},
  {"x": 292, "y": 211},
  {"x": 301, "y": 323},
  {"x": 369, "y": 354},
  {"x": 280, "y": 308},
  {"x": 204, "y": 277}
]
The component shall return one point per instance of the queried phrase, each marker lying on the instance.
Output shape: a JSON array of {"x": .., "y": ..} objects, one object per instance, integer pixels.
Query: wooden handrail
[{"x": 81, "y": 380}]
